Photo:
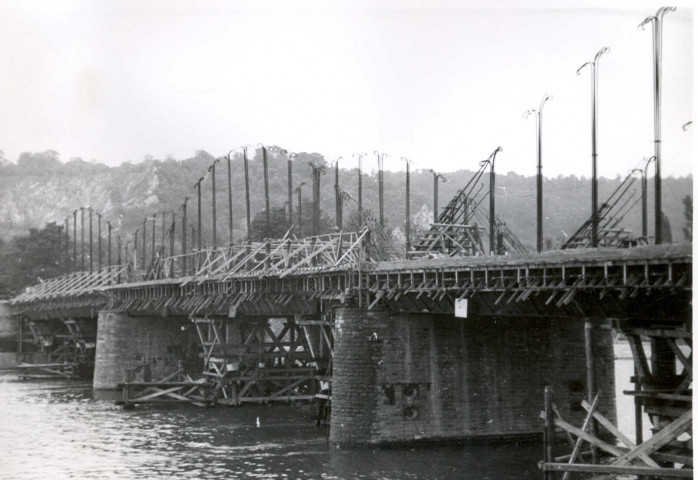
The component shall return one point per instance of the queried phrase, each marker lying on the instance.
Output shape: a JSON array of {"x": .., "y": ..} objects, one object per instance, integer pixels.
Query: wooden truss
[
  {"x": 252, "y": 360},
  {"x": 177, "y": 387},
  {"x": 64, "y": 348},
  {"x": 610, "y": 217},
  {"x": 457, "y": 233},
  {"x": 264, "y": 360}
]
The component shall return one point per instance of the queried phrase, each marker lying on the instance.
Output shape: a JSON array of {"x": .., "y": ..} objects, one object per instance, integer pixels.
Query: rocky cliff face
[
  {"x": 40, "y": 189},
  {"x": 31, "y": 200}
]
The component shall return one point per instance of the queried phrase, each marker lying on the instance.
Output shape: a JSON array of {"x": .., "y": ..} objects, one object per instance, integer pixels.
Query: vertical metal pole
[
  {"x": 67, "y": 244},
  {"x": 381, "y": 216},
  {"x": 539, "y": 176},
  {"x": 99, "y": 242},
  {"x": 75, "y": 240},
  {"x": 337, "y": 196},
  {"x": 539, "y": 182},
  {"x": 436, "y": 195},
  {"x": 118, "y": 256},
  {"x": 360, "y": 184},
  {"x": 266, "y": 191},
  {"x": 247, "y": 194},
  {"x": 230, "y": 202},
  {"x": 407, "y": 207},
  {"x": 60, "y": 246},
  {"x": 594, "y": 159},
  {"x": 290, "y": 190},
  {"x": 90, "y": 209},
  {"x": 437, "y": 177},
  {"x": 184, "y": 236},
  {"x": 82, "y": 239},
  {"x": 594, "y": 156},
  {"x": 135, "y": 250},
  {"x": 162, "y": 228},
  {"x": 198, "y": 207},
  {"x": 493, "y": 246},
  {"x": 145, "y": 242},
  {"x": 591, "y": 382},
  {"x": 109, "y": 228},
  {"x": 644, "y": 199},
  {"x": 300, "y": 210},
  {"x": 657, "y": 25},
  {"x": 172, "y": 230},
  {"x": 152, "y": 249},
  {"x": 213, "y": 202}
]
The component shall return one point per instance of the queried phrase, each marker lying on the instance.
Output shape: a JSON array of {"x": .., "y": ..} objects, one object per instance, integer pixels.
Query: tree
[
  {"x": 278, "y": 225},
  {"x": 31, "y": 257},
  {"x": 39, "y": 163},
  {"x": 688, "y": 215}
]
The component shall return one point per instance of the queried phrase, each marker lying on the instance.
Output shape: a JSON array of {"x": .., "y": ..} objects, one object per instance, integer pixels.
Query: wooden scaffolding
[{"x": 661, "y": 393}]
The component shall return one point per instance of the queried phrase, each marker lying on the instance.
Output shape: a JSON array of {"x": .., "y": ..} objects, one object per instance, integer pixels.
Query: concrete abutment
[{"x": 418, "y": 377}]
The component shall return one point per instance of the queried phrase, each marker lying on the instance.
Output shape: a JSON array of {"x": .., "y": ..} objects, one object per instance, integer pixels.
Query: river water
[{"x": 60, "y": 430}]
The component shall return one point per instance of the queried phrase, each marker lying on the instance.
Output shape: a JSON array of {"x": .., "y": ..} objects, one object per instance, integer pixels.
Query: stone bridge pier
[
  {"x": 150, "y": 346},
  {"x": 406, "y": 377}
]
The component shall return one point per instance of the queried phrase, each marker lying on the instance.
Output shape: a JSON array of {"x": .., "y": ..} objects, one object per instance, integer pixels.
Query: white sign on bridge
[{"x": 462, "y": 307}]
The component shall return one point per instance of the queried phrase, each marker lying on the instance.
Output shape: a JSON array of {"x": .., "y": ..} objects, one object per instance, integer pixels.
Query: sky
[{"x": 442, "y": 83}]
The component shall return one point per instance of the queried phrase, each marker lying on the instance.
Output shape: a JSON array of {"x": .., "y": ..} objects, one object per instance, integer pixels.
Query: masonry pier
[
  {"x": 405, "y": 377},
  {"x": 148, "y": 346}
]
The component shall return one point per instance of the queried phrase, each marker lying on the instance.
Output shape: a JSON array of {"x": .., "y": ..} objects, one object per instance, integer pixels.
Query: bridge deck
[{"x": 652, "y": 254}]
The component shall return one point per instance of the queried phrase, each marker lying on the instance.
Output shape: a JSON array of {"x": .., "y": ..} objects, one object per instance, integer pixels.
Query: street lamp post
[
  {"x": 298, "y": 190},
  {"x": 493, "y": 236},
  {"x": 198, "y": 207},
  {"x": 657, "y": 20},
  {"x": 266, "y": 190},
  {"x": 212, "y": 169},
  {"x": 67, "y": 244},
  {"x": 407, "y": 207},
  {"x": 317, "y": 170},
  {"x": 644, "y": 195},
  {"x": 539, "y": 177},
  {"x": 184, "y": 236},
  {"x": 75, "y": 240},
  {"x": 381, "y": 159},
  {"x": 289, "y": 163},
  {"x": 230, "y": 201},
  {"x": 337, "y": 196},
  {"x": 247, "y": 191},
  {"x": 82, "y": 239},
  {"x": 90, "y": 210},
  {"x": 360, "y": 196},
  {"x": 594, "y": 107},
  {"x": 437, "y": 177},
  {"x": 109, "y": 228}
]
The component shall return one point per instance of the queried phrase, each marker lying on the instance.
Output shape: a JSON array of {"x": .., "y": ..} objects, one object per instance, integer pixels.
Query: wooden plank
[
  {"x": 587, "y": 421},
  {"x": 639, "y": 356},
  {"x": 659, "y": 396},
  {"x": 617, "y": 433},
  {"x": 616, "y": 470},
  {"x": 679, "y": 354},
  {"x": 615, "y": 451},
  {"x": 657, "y": 441}
]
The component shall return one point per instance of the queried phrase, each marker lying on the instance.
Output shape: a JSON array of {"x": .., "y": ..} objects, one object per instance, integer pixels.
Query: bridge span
[{"x": 430, "y": 348}]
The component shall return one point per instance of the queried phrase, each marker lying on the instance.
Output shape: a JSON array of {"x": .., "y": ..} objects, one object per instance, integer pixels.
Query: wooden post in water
[
  {"x": 591, "y": 383},
  {"x": 549, "y": 433}
]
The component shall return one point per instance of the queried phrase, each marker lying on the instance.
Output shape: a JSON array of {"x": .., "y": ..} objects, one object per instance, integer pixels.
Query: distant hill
[{"x": 39, "y": 188}]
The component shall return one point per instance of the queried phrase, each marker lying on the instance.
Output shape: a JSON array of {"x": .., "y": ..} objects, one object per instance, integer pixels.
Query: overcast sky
[{"x": 443, "y": 83}]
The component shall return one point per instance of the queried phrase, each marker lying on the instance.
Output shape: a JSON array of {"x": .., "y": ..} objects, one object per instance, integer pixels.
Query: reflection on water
[{"x": 59, "y": 430}]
